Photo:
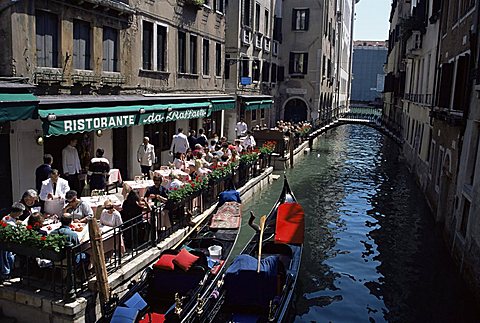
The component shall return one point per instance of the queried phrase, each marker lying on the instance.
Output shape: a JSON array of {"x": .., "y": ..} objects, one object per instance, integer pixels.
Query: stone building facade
[
  {"x": 93, "y": 59},
  {"x": 437, "y": 44}
]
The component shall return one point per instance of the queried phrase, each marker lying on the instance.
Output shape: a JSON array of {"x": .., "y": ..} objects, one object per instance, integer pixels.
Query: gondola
[
  {"x": 261, "y": 288},
  {"x": 169, "y": 288}
]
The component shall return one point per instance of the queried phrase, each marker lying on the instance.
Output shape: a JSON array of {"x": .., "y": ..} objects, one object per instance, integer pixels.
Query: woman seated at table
[
  {"x": 200, "y": 170},
  {"x": 36, "y": 222},
  {"x": 79, "y": 209},
  {"x": 30, "y": 201},
  {"x": 98, "y": 171},
  {"x": 110, "y": 217}
]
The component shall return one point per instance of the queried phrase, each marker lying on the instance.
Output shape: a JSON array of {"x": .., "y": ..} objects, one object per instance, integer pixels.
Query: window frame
[
  {"x": 82, "y": 32},
  {"x": 292, "y": 70},
  {"x": 182, "y": 51},
  {"x": 41, "y": 19},
  {"x": 108, "y": 31},
  {"x": 205, "y": 57},
  {"x": 300, "y": 23},
  {"x": 218, "y": 59},
  {"x": 193, "y": 54}
]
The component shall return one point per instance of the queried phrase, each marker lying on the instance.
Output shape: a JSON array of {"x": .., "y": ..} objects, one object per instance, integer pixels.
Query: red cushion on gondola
[
  {"x": 165, "y": 262},
  {"x": 153, "y": 318},
  {"x": 290, "y": 223},
  {"x": 185, "y": 259}
]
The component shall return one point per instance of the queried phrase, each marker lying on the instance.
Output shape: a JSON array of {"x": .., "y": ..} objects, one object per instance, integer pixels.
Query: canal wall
[{"x": 24, "y": 304}]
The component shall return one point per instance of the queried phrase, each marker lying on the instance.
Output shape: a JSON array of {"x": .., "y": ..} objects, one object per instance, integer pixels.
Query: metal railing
[{"x": 68, "y": 276}]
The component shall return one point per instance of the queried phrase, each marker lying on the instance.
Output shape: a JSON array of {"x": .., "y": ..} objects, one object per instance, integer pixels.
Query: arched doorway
[{"x": 295, "y": 110}]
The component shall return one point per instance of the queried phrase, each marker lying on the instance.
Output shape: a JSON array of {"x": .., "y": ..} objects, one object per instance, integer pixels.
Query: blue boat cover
[
  {"x": 229, "y": 196},
  {"x": 245, "y": 288},
  {"x": 124, "y": 315},
  {"x": 137, "y": 302}
]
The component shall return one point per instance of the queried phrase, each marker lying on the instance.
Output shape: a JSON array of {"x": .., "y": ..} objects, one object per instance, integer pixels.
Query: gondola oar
[{"x": 262, "y": 228}]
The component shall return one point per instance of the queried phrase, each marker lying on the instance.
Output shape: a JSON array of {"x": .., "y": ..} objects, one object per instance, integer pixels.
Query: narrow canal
[{"x": 372, "y": 250}]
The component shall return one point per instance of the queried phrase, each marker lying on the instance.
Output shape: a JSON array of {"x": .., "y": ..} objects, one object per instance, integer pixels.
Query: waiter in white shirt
[
  {"x": 146, "y": 156},
  {"x": 71, "y": 165},
  {"x": 179, "y": 143},
  {"x": 54, "y": 187},
  {"x": 241, "y": 128}
]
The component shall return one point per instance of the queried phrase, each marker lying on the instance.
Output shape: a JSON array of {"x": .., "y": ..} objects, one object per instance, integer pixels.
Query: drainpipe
[{"x": 435, "y": 75}]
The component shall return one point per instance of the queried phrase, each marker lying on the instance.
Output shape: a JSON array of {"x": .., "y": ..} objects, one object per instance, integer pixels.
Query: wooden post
[
  {"x": 292, "y": 145},
  {"x": 99, "y": 261}
]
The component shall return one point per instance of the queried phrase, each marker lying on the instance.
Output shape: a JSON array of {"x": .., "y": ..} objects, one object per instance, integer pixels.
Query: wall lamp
[
  {"x": 169, "y": 109},
  {"x": 99, "y": 133},
  {"x": 51, "y": 117},
  {"x": 141, "y": 111}
]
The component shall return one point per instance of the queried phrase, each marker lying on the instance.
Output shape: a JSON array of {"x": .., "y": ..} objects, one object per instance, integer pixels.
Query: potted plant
[{"x": 26, "y": 241}]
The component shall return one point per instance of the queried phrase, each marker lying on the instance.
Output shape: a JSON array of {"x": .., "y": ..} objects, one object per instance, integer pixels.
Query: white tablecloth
[
  {"x": 114, "y": 176},
  {"x": 140, "y": 186}
]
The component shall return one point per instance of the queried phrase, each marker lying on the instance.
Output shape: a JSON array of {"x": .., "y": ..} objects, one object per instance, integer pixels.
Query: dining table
[{"x": 139, "y": 185}]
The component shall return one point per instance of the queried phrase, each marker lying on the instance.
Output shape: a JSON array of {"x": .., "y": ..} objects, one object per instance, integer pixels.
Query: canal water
[{"x": 372, "y": 251}]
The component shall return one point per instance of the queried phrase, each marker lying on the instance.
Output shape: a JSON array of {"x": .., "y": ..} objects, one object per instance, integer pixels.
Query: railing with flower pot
[{"x": 126, "y": 241}]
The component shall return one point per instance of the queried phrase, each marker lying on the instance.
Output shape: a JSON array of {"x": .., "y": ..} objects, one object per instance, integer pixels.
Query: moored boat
[
  {"x": 259, "y": 284},
  {"x": 169, "y": 288}
]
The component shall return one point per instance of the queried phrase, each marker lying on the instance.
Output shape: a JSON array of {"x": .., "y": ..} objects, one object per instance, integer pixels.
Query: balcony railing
[{"x": 67, "y": 274}]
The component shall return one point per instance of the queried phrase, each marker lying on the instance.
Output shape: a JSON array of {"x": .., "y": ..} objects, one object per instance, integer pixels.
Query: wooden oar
[{"x": 262, "y": 227}]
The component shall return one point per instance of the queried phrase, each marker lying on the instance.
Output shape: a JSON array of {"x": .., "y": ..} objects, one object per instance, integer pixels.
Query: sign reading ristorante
[{"x": 82, "y": 124}]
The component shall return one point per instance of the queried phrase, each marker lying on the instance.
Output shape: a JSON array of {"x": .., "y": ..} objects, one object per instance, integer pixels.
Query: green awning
[
  {"x": 255, "y": 105},
  {"x": 17, "y": 106},
  {"x": 73, "y": 120},
  {"x": 223, "y": 105}
]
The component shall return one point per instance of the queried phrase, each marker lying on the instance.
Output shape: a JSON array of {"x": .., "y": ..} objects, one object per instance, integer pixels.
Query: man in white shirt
[
  {"x": 179, "y": 143},
  {"x": 146, "y": 156},
  {"x": 241, "y": 128},
  {"x": 249, "y": 140},
  {"x": 54, "y": 187},
  {"x": 71, "y": 165}
]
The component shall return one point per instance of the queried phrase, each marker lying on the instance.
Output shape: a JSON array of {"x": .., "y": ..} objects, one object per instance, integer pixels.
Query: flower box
[{"x": 30, "y": 251}]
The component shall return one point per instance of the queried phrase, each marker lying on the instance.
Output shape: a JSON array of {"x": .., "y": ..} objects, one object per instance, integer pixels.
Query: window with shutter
[
  {"x": 274, "y": 73},
  {"x": 445, "y": 90},
  {"x": 218, "y": 59},
  {"x": 147, "y": 45},
  {"x": 46, "y": 25},
  {"x": 81, "y": 45},
  {"x": 182, "y": 52},
  {"x": 193, "y": 54},
  {"x": 227, "y": 66},
  {"x": 256, "y": 70},
  {"x": 110, "y": 49},
  {"x": 161, "y": 48},
  {"x": 206, "y": 57},
  {"x": 281, "y": 74},
  {"x": 461, "y": 80}
]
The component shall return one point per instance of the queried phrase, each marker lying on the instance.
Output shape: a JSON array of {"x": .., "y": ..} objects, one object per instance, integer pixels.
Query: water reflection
[{"x": 372, "y": 252}]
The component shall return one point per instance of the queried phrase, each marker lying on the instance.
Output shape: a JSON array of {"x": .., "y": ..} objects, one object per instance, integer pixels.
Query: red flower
[
  {"x": 193, "y": 185},
  {"x": 175, "y": 188},
  {"x": 7, "y": 218},
  {"x": 29, "y": 227},
  {"x": 37, "y": 224},
  {"x": 43, "y": 238},
  {"x": 4, "y": 224}
]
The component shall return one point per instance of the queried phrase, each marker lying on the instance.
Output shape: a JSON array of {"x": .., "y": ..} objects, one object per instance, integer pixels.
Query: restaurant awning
[
  {"x": 223, "y": 105},
  {"x": 17, "y": 106},
  {"x": 255, "y": 105},
  {"x": 72, "y": 120}
]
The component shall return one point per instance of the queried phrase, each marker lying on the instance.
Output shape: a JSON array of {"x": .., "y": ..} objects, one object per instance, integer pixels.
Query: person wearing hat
[
  {"x": 79, "y": 209},
  {"x": 110, "y": 216},
  {"x": 146, "y": 156}
]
